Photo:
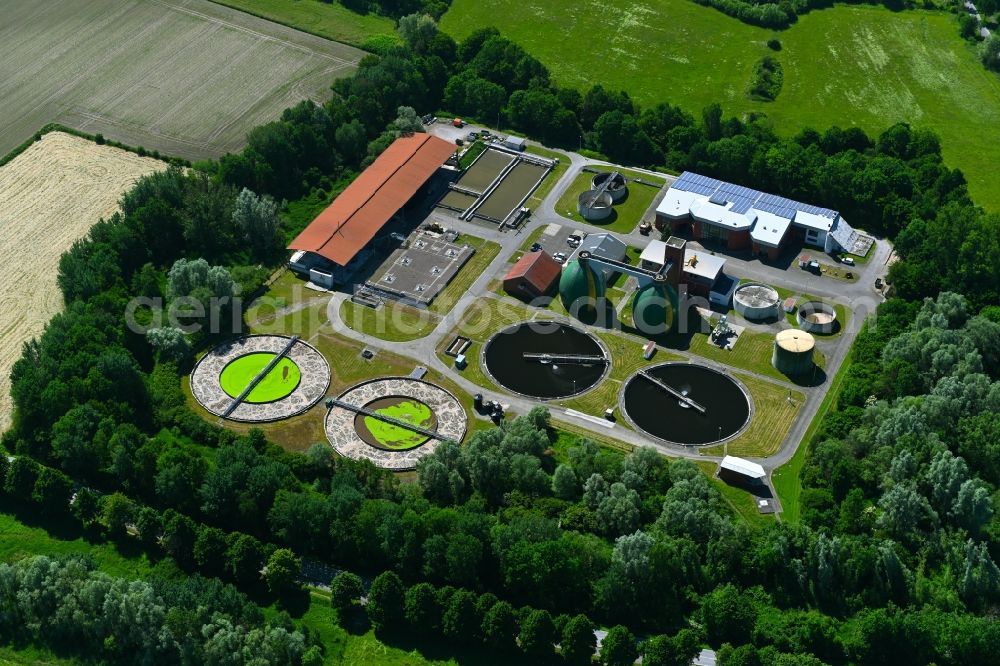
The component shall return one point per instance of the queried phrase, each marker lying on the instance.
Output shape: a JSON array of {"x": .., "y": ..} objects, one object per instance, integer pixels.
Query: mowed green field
[
  {"x": 326, "y": 19},
  {"x": 849, "y": 65},
  {"x": 187, "y": 78}
]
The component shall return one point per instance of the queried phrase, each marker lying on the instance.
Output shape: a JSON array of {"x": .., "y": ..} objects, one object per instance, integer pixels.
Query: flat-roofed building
[
  {"x": 741, "y": 218},
  {"x": 701, "y": 272}
]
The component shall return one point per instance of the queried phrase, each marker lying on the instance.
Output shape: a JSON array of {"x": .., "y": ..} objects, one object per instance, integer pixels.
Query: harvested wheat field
[{"x": 50, "y": 195}]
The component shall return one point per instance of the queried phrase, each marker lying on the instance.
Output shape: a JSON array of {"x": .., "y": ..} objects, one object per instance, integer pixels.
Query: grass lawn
[
  {"x": 305, "y": 319},
  {"x": 361, "y": 648},
  {"x": 786, "y": 479},
  {"x": 392, "y": 321},
  {"x": 626, "y": 215},
  {"x": 30, "y": 656},
  {"x": 325, "y": 19},
  {"x": 19, "y": 540},
  {"x": 626, "y": 359},
  {"x": 288, "y": 308},
  {"x": 848, "y": 65},
  {"x": 567, "y": 436},
  {"x": 843, "y": 314},
  {"x": 773, "y": 417},
  {"x": 535, "y": 200},
  {"x": 528, "y": 242},
  {"x": 486, "y": 252},
  {"x": 481, "y": 320},
  {"x": 752, "y": 351}
]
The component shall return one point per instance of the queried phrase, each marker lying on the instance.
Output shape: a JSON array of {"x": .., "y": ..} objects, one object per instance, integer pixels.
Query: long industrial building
[
  {"x": 341, "y": 238},
  {"x": 741, "y": 218}
]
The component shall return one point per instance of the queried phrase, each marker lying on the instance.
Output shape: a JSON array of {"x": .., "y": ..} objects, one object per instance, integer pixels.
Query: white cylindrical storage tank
[
  {"x": 793, "y": 352},
  {"x": 757, "y": 302},
  {"x": 617, "y": 188},
  {"x": 594, "y": 206},
  {"x": 817, "y": 317}
]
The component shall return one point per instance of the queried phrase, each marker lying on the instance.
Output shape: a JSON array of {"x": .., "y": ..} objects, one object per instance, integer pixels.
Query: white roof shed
[{"x": 742, "y": 466}]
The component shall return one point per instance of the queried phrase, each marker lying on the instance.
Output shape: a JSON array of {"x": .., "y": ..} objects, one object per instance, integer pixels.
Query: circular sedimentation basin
[
  {"x": 687, "y": 404},
  {"x": 504, "y": 361}
]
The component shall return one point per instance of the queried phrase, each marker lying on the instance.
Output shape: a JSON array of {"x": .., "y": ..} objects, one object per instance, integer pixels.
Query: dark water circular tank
[
  {"x": 503, "y": 359},
  {"x": 661, "y": 413}
]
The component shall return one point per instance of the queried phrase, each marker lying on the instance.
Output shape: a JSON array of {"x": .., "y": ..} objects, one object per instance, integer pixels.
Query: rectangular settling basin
[
  {"x": 514, "y": 188},
  {"x": 485, "y": 170},
  {"x": 456, "y": 200}
]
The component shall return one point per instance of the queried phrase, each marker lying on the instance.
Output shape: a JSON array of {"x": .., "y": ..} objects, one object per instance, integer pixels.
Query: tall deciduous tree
[{"x": 385, "y": 602}]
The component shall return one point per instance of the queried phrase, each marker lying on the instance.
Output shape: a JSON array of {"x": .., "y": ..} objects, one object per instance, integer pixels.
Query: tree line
[
  {"x": 780, "y": 14},
  {"x": 65, "y": 602},
  {"x": 562, "y": 528}
]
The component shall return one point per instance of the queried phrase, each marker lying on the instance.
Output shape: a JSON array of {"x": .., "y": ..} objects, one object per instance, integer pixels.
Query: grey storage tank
[
  {"x": 793, "y": 352},
  {"x": 594, "y": 205},
  {"x": 817, "y": 317},
  {"x": 756, "y": 302},
  {"x": 616, "y": 185}
]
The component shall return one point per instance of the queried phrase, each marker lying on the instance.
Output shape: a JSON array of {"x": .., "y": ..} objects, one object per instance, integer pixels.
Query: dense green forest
[{"x": 511, "y": 536}]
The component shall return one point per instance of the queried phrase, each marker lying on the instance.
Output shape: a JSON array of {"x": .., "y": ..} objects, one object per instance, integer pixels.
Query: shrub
[{"x": 767, "y": 80}]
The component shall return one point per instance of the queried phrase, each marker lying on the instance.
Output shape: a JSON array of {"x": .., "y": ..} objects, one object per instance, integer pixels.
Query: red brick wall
[
  {"x": 771, "y": 253},
  {"x": 519, "y": 288},
  {"x": 739, "y": 240}
]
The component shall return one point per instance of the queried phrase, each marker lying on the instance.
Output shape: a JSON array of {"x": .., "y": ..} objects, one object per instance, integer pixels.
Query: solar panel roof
[{"x": 745, "y": 198}]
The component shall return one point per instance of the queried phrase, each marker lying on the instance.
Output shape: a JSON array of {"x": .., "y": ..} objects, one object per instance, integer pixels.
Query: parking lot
[{"x": 554, "y": 239}]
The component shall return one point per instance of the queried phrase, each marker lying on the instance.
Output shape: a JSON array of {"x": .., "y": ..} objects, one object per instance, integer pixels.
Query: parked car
[
  {"x": 535, "y": 247},
  {"x": 472, "y": 136},
  {"x": 807, "y": 264},
  {"x": 572, "y": 242},
  {"x": 847, "y": 260},
  {"x": 560, "y": 257}
]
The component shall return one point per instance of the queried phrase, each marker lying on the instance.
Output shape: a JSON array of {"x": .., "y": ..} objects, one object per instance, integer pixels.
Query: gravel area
[
  {"x": 451, "y": 421},
  {"x": 209, "y": 393}
]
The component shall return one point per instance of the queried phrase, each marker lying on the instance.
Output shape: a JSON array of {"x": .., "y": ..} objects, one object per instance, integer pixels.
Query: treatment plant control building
[{"x": 741, "y": 218}]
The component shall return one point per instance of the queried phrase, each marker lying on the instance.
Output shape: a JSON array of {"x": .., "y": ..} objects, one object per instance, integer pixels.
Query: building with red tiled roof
[
  {"x": 341, "y": 233},
  {"x": 535, "y": 274}
]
